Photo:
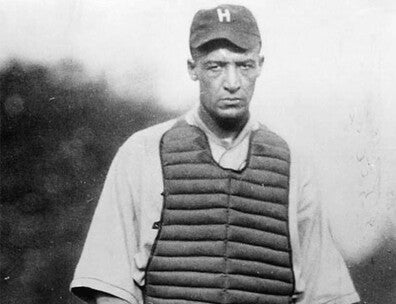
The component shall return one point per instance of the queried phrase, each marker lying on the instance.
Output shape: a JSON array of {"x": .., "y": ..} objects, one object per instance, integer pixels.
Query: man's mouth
[{"x": 231, "y": 101}]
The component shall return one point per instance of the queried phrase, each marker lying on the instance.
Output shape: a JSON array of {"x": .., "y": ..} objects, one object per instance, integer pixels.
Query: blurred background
[{"x": 77, "y": 78}]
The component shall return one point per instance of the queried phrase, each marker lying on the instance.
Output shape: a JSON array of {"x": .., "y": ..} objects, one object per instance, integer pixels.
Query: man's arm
[
  {"x": 107, "y": 260},
  {"x": 324, "y": 271},
  {"x": 104, "y": 298}
]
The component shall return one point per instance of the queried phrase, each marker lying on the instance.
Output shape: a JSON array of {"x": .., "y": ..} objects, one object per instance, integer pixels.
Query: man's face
[{"x": 227, "y": 78}]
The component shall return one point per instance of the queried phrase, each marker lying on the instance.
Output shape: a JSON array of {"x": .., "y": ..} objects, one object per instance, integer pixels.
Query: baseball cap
[{"x": 232, "y": 22}]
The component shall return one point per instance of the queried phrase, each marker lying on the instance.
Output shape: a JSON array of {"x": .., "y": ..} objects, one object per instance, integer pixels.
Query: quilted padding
[{"x": 223, "y": 236}]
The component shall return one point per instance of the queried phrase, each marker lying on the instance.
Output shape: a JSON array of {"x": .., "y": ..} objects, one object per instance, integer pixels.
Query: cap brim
[{"x": 242, "y": 40}]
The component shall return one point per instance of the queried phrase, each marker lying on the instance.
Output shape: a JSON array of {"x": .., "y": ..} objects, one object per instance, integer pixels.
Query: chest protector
[{"x": 223, "y": 236}]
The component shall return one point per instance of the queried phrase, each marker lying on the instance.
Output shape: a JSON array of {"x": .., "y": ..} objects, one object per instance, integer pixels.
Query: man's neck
[{"x": 222, "y": 129}]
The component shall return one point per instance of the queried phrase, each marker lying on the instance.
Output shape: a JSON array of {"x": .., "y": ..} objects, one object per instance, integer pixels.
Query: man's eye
[
  {"x": 246, "y": 66},
  {"x": 214, "y": 67}
]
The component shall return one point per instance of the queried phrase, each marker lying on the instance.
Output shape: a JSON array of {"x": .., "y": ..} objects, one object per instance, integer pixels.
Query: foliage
[{"x": 59, "y": 131}]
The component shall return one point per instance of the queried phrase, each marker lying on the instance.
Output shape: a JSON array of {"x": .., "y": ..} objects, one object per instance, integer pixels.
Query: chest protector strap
[{"x": 223, "y": 236}]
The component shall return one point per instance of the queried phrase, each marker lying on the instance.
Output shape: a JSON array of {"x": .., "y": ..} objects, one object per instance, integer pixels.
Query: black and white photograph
[{"x": 197, "y": 152}]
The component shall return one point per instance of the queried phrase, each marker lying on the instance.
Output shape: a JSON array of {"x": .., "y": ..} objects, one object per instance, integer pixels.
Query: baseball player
[{"x": 213, "y": 207}]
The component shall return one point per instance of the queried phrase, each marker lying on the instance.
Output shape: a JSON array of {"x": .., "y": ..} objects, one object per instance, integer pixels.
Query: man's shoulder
[
  {"x": 147, "y": 137},
  {"x": 302, "y": 148}
]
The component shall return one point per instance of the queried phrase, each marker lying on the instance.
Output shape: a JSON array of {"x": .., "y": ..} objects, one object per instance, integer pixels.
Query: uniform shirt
[{"x": 120, "y": 237}]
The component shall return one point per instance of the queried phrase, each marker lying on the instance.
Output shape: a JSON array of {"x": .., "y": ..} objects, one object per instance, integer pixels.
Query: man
[{"x": 212, "y": 207}]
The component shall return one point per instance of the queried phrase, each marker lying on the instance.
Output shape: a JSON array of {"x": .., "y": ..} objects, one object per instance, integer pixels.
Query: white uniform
[{"x": 121, "y": 236}]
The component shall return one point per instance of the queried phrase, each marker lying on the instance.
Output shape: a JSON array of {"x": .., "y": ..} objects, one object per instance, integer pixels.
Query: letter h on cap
[{"x": 224, "y": 14}]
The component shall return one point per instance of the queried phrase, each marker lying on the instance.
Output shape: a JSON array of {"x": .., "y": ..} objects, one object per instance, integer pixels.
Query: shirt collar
[{"x": 192, "y": 118}]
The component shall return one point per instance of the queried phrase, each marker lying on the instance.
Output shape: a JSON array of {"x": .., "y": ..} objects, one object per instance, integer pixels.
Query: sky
[{"x": 327, "y": 81}]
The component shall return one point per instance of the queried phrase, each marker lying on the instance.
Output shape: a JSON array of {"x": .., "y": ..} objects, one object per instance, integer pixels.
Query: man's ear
[
  {"x": 261, "y": 62},
  {"x": 192, "y": 65}
]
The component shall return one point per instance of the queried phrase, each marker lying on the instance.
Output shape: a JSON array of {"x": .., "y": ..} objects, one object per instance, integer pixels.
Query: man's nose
[{"x": 232, "y": 81}]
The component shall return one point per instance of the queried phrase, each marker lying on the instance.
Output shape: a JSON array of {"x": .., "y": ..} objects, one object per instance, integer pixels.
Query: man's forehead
[{"x": 225, "y": 54}]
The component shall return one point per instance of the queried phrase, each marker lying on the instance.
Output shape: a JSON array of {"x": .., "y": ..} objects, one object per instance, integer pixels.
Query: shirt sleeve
[
  {"x": 105, "y": 263},
  {"x": 324, "y": 271}
]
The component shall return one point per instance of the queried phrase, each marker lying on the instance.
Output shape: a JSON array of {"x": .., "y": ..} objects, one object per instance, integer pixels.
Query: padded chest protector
[{"x": 223, "y": 236}]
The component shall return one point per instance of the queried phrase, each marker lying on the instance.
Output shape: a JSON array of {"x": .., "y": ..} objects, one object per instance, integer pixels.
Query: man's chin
[
  {"x": 233, "y": 113},
  {"x": 230, "y": 120}
]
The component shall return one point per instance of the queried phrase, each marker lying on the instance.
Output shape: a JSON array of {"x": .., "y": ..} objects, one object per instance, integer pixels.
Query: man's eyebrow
[
  {"x": 215, "y": 61},
  {"x": 228, "y": 61},
  {"x": 245, "y": 61}
]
